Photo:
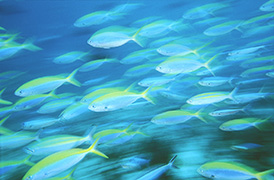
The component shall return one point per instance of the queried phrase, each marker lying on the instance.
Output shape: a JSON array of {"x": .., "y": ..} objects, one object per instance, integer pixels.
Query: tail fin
[
  {"x": 93, "y": 150},
  {"x": 88, "y": 135},
  {"x": 69, "y": 175},
  {"x": 2, "y": 101},
  {"x": 265, "y": 175},
  {"x": 198, "y": 49},
  {"x": 30, "y": 46},
  {"x": 144, "y": 95},
  {"x": 232, "y": 94},
  {"x": 197, "y": 114},
  {"x": 138, "y": 39},
  {"x": 52, "y": 94},
  {"x": 170, "y": 163},
  {"x": 71, "y": 79},
  {"x": 206, "y": 64},
  {"x": 264, "y": 125},
  {"x": 27, "y": 162},
  {"x": 4, "y": 119}
]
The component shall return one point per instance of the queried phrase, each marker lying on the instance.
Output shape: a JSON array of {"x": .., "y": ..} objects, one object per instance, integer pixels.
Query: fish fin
[
  {"x": 52, "y": 94},
  {"x": 69, "y": 175},
  {"x": 72, "y": 80},
  {"x": 140, "y": 41},
  {"x": 232, "y": 94},
  {"x": 4, "y": 119},
  {"x": 264, "y": 125},
  {"x": 206, "y": 64},
  {"x": 172, "y": 160},
  {"x": 1, "y": 92},
  {"x": 128, "y": 127},
  {"x": 198, "y": 49},
  {"x": 130, "y": 86},
  {"x": 89, "y": 133},
  {"x": 27, "y": 162},
  {"x": 265, "y": 175},
  {"x": 144, "y": 95},
  {"x": 93, "y": 150},
  {"x": 30, "y": 46}
]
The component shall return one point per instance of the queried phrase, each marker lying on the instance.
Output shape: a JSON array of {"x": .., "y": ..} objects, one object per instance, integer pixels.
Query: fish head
[
  {"x": 190, "y": 101},
  {"x": 206, "y": 173},
  {"x": 29, "y": 178},
  {"x": 163, "y": 69},
  {"x": 21, "y": 92},
  {"x": 204, "y": 83},
  {"x": 223, "y": 127},
  {"x": 80, "y": 23}
]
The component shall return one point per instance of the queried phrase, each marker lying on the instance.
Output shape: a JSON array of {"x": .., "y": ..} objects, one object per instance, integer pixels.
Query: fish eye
[
  {"x": 106, "y": 107},
  {"x": 212, "y": 176},
  {"x": 21, "y": 91}
]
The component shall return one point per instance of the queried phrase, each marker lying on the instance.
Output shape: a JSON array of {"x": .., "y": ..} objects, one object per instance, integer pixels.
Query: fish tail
[
  {"x": 27, "y": 162},
  {"x": 4, "y": 119},
  {"x": 206, "y": 65},
  {"x": 265, "y": 175},
  {"x": 144, "y": 95},
  {"x": 69, "y": 175},
  {"x": 88, "y": 135},
  {"x": 232, "y": 94},
  {"x": 30, "y": 46},
  {"x": 52, "y": 94},
  {"x": 1, "y": 92},
  {"x": 170, "y": 163},
  {"x": 138, "y": 39},
  {"x": 128, "y": 127},
  {"x": 2, "y": 101},
  {"x": 264, "y": 125},
  {"x": 93, "y": 150},
  {"x": 198, "y": 115},
  {"x": 205, "y": 45},
  {"x": 72, "y": 80}
]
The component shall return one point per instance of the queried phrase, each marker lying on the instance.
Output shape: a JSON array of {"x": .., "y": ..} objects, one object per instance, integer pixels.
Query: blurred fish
[
  {"x": 257, "y": 71},
  {"x": 223, "y": 28},
  {"x": 157, "y": 81},
  {"x": 50, "y": 165},
  {"x": 215, "y": 81},
  {"x": 245, "y": 123},
  {"x": 2, "y": 101},
  {"x": 66, "y": 177},
  {"x": 135, "y": 162},
  {"x": 139, "y": 70},
  {"x": 94, "y": 81},
  {"x": 45, "y": 84},
  {"x": 246, "y": 50},
  {"x": 270, "y": 74},
  {"x": 204, "y": 10},
  {"x": 6, "y": 166},
  {"x": 258, "y": 61},
  {"x": 70, "y": 57},
  {"x": 94, "y": 64},
  {"x": 227, "y": 112},
  {"x": 267, "y": 6},
  {"x": 139, "y": 56},
  {"x": 156, "y": 173},
  {"x": 56, "y": 143},
  {"x": 258, "y": 31},
  {"x": 114, "y": 36},
  {"x": 232, "y": 170},
  {"x": 18, "y": 139},
  {"x": 247, "y": 147},
  {"x": 212, "y": 97},
  {"x": 39, "y": 123},
  {"x": 73, "y": 111},
  {"x": 257, "y": 20}
]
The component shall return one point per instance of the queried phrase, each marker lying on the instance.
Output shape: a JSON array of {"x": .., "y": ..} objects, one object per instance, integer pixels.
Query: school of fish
[{"x": 147, "y": 98}]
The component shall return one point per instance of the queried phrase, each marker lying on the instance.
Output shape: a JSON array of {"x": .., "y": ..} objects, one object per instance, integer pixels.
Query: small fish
[
  {"x": 2, "y": 101},
  {"x": 70, "y": 57},
  {"x": 212, "y": 97},
  {"x": 223, "y": 28},
  {"x": 258, "y": 31},
  {"x": 94, "y": 64},
  {"x": 232, "y": 170},
  {"x": 226, "y": 112},
  {"x": 176, "y": 117},
  {"x": 6, "y": 166},
  {"x": 267, "y": 6},
  {"x": 73, "y": 111},
  {"x": 39, "y": 123},
  {"x": 59, "y": 162},
  {"x": 45, "y": 84},
  {"x": 155, "y": 174},
  {"x": 18, "y": 139},
  {"x": 117, "y": 100},
  {"x": 135, "y": 162},
  {"x": 113, "y": 36},
  {"x": 204, "y": 10},
  {"x": 56, "y": 143},
  {"x": 94, "y": 81},
  {"x": 139, "y": 70},
  {"x": 247, "y": 147},
  {"x": 139, "y": 56},
  {"x": 257, "y": 20},
  {"x": 270, "y": 74},
  {"x": 156, "y": 81},
  {"x": 246, "y": 123},
  {"x": 257, "y": 71},
  {"x": 215, "y": 81},
  {"x": 246, "y": 50}
]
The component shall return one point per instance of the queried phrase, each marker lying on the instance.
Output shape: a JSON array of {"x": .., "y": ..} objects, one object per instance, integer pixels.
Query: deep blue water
[{"x": 50, "y": 26}]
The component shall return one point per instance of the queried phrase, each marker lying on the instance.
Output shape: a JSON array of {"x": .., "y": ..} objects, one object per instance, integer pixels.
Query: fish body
[
  {"x": 6, "y": 166},
  {"x": 45, "y": 84},
  {"x": 232, "y": 170},
  {"x": 242, "y": 124},
  {"x": 57, "y": 163},
  {"x": 69, "y": 57},
  {"x": 267, "y": 6},
  {"x": 248, "y": 147},
  {"x": 223, "y": 28},
  {"x": 39, "y": 123},
  {"x": 92, "y": 65},
  {"x": 215, "y": 81}
]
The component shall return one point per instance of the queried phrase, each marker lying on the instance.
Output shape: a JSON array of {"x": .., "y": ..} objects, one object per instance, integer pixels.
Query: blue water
[{"x": 50, "y": 26}]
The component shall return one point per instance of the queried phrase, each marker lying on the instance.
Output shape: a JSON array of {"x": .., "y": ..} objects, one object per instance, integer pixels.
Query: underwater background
[{"x": 179, "y": 77}]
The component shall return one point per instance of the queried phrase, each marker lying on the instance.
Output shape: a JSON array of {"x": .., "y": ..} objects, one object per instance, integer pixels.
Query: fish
[
  {"x": 267, "y": 6},
  {"x": 74, "y": 110},
  {"x": 156, "y": 173},
  {"x": 246, "y": 123},
  {"x": 232, "y": 170},
  {"x": 139, "y": 56},
  {"x": 113, "y": 36},
  {"x": 246, "y": 50},
  {"x": 56, "y": 143},
  {"x": 94, "y": 64},
  {"x": 135, "y": 162},
  {"x": 139, "y": 70},
  {"x": 66, "y": 177},
  {"x": 212, "y": 97},
  {"x": 39, "y": 123},
  {"x": 117, "y": 100},
  {"x": 270, "y": 74},
  {"x": 227, "y": 112},
  {"x": 247, "y": 147},
  {"x": 70, "y": 57},
  {"x": 258, "y": 31},
  {"x": 156, "y": 81},
  {"x": 215, "y": 81},
  {"x": 2, "y": 101},
  {"x": 45, "y": 84},
  {"x": 6, "y": 166},
  {"x": 182, "y": 64},
  {"x": 176, "y": 117},
  {"x": 257, "y": 71},
  {"x": 29, "y": 102},
  {"x": 204, "y": 10},
  {"x": 18, "y": 139},
  {"x": 223, "y": 28},
  {"x": 58, "y": 162}
]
